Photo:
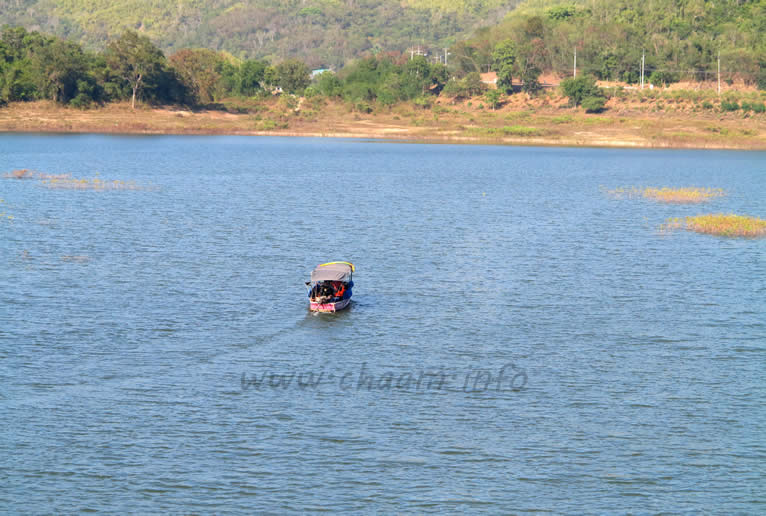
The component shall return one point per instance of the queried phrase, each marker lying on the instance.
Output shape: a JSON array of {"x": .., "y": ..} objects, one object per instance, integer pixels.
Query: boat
[{"x": 330, "y": 286}]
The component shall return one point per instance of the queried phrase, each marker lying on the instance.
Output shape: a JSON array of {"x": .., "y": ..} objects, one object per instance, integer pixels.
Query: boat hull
[{"x": 329, "y": 307}]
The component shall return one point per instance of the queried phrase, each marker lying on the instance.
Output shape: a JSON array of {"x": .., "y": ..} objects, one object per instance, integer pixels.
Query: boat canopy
[{"x": 333, "y": 271}]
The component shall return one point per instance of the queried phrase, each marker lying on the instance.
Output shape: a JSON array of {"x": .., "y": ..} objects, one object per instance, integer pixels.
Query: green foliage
[
  {"x": 135, "y": 59},
  {"x": 321, "y": 33},
  {"x": 293, "y": 76},
  {"x": 561, "y": 12},
  {"x": 382, "y": 80},
  {"x": 504, "y": 57},
  {"x": 761, "y": 77},
  {"x": 729, "y": 106},
  {"x": 662, "y": 78},
  {"x": 328, "y": 84},
  {"x": 593, "y": 104},
  {"x": 467, "y": 87},
  {"x": 492, "y": 97},
  {"x": 250, "y": 77},
  {"x": 201, "y": 70},
  {"x": 681, "y": 38},
  {"x": 579, "y": 89}
]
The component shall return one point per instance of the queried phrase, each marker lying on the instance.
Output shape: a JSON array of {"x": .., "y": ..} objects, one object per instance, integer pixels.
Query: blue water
[{"x": 518, "y": 341}]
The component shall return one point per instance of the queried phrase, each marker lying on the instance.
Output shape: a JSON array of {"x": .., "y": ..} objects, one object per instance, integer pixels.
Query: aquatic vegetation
[
  {"x": 683, "y": 195},
  {"x": 3, "y": 214},
  {"x": 720, "y": 224},
  {"x": 20, "y": 174},
  {"x": 25, "y": 173},
  {"x": 69, "y": 183}
]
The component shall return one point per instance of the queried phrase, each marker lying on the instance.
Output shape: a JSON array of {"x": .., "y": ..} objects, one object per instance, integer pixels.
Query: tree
[
  {"x": 293, "y": 76},
  {"x": 466, "y": 87},
  {"x": 251, "y": 77},
  {"x": 580, "y": 89},
  {"x": 134, "y": 58},
  {"x": 57, "y": 67},
  {"x": 200, "y": 70},
  {"x": 329, "y": 85},
  {"x": 529, "y": 64},
  {"x": 493, "y": 98},
  {"x": 504, "y": 57}
]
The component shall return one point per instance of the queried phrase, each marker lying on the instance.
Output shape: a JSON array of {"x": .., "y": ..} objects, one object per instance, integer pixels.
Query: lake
[{"x": 519, "y": 340}]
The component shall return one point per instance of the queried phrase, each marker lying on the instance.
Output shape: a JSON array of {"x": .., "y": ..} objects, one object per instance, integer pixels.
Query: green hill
[
  {"x": 679, "y": 39},
  {"x": 321, "y": 32}
]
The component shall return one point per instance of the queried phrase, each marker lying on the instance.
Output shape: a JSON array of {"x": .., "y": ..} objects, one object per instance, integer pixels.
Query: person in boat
[{"x": 339, "y": 289}]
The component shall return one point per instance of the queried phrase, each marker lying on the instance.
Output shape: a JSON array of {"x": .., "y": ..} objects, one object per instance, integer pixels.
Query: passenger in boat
[{"x": 339, "y": 288}]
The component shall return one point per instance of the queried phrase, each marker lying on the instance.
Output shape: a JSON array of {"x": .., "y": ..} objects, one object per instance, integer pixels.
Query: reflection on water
[{"x": 129, "y": 318}]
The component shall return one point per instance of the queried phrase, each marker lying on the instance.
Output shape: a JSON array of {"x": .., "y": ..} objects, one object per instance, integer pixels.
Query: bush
[
  {"x": 310, "y": 92},
  {"x": 363, "y": 107},
  {"x": 579, "y": 89},
  {"x": 594, "y": 104},
  {"x": 707, "y": 105},
  {"x": 758, "y": 107},
  {"x": 729, "y": 106},
  {"x": 422, "y": 102},
  {"x": 661, "y": 78},
  {"x": 493, "y": 98}
]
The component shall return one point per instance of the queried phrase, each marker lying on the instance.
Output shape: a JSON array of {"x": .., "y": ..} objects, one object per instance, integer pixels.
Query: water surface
[{"x": 128, "y": 320}]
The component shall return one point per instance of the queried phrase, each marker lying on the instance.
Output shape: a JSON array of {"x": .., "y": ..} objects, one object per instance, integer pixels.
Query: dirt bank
[{"x": 519, "y": 121}]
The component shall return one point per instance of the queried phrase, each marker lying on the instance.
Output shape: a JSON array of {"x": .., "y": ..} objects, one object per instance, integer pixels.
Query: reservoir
[{"x": 519, "y": 339}]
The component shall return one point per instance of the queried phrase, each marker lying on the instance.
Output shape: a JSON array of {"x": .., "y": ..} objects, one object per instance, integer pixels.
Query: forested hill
[
  {"x": 678, "y": 39},
  {"x": 319, "y": 32}
]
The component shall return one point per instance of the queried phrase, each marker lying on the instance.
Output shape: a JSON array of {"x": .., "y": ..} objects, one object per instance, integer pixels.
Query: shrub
[
  {"x": 707, "y": 105},
  {"x": 363, "y": 107},
  {"x": 493, "y": 98},
  {"x": 660, "y": 78},
  {"x": 422, "y": 102},
  {"x": 729, "y": 106},
  {"x": 594, "y": 104},
  {"x": 579, "y": 89}
]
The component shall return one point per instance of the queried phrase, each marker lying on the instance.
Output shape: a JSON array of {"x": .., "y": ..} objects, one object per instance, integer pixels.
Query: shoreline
[{"x": 542, "y": 127}]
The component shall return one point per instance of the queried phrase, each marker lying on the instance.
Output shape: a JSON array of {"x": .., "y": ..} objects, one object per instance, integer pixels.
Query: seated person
[{"x": 339, "y": 288}]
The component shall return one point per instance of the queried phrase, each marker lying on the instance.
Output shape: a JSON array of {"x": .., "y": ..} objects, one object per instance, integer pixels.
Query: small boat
[{"x": 330, "y": 286}]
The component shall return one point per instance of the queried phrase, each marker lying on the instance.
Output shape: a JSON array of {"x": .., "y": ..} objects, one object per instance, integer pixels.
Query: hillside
[
  {"x": 680, "y": 40},
  {"x": 320, "y": 32}
]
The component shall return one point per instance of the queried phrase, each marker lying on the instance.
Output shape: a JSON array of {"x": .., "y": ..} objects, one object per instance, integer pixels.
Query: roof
[{"x": 333, "y": 271}]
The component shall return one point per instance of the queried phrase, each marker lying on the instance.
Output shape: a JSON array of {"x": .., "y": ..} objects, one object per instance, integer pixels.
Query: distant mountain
[{"x": 321, "y": 32}]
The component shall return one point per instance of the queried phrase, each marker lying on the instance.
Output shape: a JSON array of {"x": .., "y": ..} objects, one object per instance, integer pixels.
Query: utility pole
[
  {"x": 575, "y": 64},
  {"x": 643, "y": 57},
  {"x": 719, "y": 73}
]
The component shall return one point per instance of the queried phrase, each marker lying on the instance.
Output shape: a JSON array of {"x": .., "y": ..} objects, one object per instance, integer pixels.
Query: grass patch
[
  {"x": 720, "y": 224},
  {"x": 512, "y": 130},
  {"x": 688, "y": 195},
  {"x": 520, "y": 130},
  {"x": 563, "y": 119},
  {"x": 685, "y": 195},
  {"x": 596, "y": 120}
]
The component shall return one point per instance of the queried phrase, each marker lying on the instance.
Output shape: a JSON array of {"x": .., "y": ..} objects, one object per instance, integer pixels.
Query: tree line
[
  {"x": 35, "y": 66},
  {"x": 323, "y": 33},
  {"x": 677, "y": 39},
  {"x": 681, "y": 39}
]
